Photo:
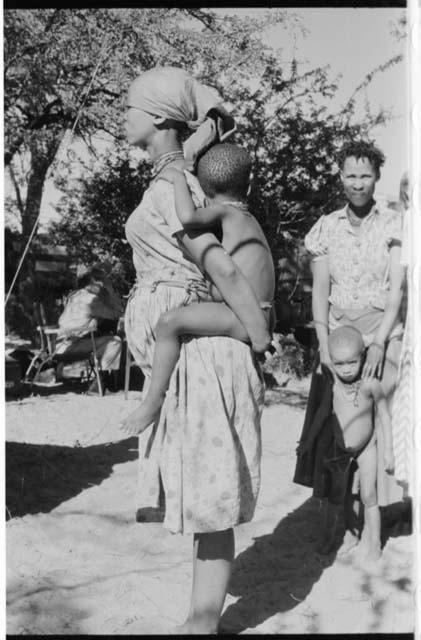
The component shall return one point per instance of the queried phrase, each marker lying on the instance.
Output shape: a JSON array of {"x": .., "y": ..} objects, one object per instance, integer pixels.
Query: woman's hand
[
  {"x": 373, "y": 365},
  {"x": 325, "y": 360},
  {"x": 389, "y": 460}
]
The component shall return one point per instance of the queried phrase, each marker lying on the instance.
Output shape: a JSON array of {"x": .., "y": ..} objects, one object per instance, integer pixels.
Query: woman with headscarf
[{"x": 203, "y": 454}]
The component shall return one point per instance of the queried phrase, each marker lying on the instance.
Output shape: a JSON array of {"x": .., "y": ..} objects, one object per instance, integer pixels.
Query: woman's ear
[{"x": 160, "y": 122}]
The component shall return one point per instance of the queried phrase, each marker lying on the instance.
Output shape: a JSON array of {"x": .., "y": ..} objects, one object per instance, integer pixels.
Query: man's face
[{"x": 359, "y": 179}]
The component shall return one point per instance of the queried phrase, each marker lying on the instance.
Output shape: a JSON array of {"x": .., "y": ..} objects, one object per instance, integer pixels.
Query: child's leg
[
  {"x": 212, "y": 564},
  {"x": 199, "y": 319},
  {"x": 370, "y": 538}
]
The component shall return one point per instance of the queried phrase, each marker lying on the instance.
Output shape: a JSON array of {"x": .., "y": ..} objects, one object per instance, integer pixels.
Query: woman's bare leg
[
  {"x": 212, "y": 565},
  {"x": 200, "y": 319}
]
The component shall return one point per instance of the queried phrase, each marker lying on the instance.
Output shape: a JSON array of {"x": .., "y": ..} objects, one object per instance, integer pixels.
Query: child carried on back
[
  {"x": 348, "y": 434},
  {"x": 224, "y": 174}
]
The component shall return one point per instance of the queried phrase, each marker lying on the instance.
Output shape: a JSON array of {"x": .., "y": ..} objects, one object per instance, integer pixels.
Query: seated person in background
[
  {"x": 348, "y": 434},
  {"x": 94, "y": 305}
]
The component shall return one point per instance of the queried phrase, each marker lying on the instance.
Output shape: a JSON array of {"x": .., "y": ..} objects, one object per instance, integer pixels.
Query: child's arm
[
  {"x": 384, "y": 415},
  {"x": 189, "y": 216}
]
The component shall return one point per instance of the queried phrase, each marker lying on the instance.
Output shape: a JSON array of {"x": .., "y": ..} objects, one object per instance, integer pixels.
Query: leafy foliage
[
  {"x": 50, "y": 56},
  {"x": 94, "y": 215}
]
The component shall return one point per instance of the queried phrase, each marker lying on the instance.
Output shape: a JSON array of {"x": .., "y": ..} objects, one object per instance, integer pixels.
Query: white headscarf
[{"x": 170, "y": 93}]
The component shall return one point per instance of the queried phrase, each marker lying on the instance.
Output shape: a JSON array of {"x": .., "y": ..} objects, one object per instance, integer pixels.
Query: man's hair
[
  {"x": 345, "y": 336},
  {"x": 225, "y": 168},
  {"x": 362, "y": 149}
]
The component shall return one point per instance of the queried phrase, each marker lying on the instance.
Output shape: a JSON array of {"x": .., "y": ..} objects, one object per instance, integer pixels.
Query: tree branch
[
  {"x": 17, "y": 190},
  {"x": 369, "y": 77},
  {"x": 203, "y": 17}
]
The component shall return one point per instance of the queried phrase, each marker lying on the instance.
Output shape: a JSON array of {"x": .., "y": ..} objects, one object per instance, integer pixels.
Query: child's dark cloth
[
  {"x": 332, "y": 463},
  {"x": 323, "y": 461}
]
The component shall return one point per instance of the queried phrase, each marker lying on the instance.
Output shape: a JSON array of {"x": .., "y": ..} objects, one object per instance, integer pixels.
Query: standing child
[
  {"x": 224, "y": 174},
  {"x": 348, "y": 434}
]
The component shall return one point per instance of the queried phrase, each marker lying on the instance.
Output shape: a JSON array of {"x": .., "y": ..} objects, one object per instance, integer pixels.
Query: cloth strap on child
[{"x": 191, "y": 287}]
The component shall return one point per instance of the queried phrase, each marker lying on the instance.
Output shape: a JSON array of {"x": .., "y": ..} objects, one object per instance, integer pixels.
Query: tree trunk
[{"x": 43, "y": 148}]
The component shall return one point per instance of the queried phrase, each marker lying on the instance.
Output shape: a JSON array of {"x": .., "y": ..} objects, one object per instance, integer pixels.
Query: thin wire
[{"x": 64, "y": 149}]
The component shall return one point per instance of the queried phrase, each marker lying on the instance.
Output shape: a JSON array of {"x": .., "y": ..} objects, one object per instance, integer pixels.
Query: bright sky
[{"x": 353, "y": 42}]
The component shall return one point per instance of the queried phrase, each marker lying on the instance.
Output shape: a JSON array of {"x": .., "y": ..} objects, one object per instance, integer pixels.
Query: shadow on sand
[
  {"x": 40, "y": 477},
  {"x": 278, "y": 571}
]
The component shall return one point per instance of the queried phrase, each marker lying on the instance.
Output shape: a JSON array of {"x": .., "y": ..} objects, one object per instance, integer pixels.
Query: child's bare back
[{"x": 244, "y": 240}]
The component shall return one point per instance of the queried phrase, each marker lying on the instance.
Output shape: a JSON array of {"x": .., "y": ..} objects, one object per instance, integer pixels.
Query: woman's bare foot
[
  {"x": 142, "y": 418},
  {"x": 192, "y": 627}
]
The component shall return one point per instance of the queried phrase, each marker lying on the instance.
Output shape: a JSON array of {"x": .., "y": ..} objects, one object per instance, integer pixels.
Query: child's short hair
[
  {"x": 225, "y": 168},
  {"x": 345, "y": 336},
  {"x": 362, "y": 149}
]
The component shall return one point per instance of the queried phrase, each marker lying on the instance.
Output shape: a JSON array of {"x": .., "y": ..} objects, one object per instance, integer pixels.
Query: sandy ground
[{"x": 77, "y": 563}]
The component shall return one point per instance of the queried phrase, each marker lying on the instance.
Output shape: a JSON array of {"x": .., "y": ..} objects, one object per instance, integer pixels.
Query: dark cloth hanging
[{"x": 319, "y": 408}]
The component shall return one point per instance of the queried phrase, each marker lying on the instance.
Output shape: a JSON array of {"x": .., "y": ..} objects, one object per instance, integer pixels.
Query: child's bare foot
[
  {"x": 349, "y": 544},
  {"x": 369, "y": 551},
  {"x": 142, "y": 418}
]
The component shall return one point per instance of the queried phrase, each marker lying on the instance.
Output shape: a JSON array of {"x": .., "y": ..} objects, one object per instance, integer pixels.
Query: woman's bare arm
[
  {"x": 235, "y": 289},
  {"x": 320, "y": 305},
  {"x": 376, "y": 350}
]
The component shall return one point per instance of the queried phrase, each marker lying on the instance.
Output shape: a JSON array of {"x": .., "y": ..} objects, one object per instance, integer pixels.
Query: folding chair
[{"x": 47, "y": 356}]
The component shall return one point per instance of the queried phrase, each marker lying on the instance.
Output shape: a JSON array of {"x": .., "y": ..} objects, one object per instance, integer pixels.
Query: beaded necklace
[{"x": 350, "y": 391}]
